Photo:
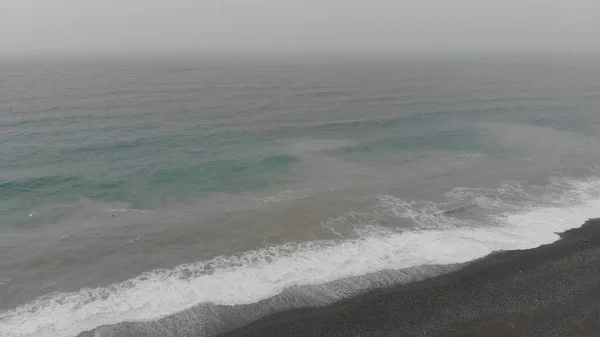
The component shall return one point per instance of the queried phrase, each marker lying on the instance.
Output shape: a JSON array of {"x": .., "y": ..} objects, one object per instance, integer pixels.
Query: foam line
[{"x": 260, "y": 274}]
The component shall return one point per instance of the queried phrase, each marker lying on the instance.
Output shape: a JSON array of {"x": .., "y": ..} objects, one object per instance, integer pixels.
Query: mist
[{"x": 292, "y": 26}]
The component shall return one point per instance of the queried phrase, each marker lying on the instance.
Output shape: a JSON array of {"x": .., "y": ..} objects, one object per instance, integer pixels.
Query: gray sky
[{"x": 162, "y": 26}]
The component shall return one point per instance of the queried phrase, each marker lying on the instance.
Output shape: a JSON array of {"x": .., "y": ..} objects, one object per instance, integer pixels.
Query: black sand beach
[{"x": 553, "y": 290}]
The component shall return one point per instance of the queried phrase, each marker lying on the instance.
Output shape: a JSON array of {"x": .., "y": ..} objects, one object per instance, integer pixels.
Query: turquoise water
[
  {"x": 272, "y": 174},
  {"x": 136, "y": 133}
]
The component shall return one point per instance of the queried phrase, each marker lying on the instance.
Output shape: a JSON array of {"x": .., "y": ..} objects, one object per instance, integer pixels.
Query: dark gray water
[{"x": 134, "y": 191}]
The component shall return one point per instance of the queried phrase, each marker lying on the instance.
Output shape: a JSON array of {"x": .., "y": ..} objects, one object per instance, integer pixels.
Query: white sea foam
[
  {"x": 256, "y": 275},
  {"x": 124, "y": 210},
  {"x": 471, "y": 155}
]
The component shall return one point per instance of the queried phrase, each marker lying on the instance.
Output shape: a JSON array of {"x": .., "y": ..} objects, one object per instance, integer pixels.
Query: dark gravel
[{"x": 553, "y": 290}]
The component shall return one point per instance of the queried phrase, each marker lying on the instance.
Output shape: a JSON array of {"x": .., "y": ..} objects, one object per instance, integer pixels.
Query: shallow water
[{"x": 149, "y": 192}]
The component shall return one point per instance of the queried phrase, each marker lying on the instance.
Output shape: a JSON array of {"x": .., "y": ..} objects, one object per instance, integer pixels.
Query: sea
[{"x": 188, "y": 196}]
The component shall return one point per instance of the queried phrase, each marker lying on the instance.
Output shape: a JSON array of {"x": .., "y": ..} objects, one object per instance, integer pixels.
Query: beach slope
[{"x": 553, "y": 290}]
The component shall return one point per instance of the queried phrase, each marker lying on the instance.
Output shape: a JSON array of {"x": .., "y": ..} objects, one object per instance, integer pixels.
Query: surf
[{"x": 299, "y": 271}]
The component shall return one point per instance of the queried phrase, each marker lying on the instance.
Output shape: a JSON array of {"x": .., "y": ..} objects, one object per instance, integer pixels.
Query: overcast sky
[{"x": 163, "y": 26}]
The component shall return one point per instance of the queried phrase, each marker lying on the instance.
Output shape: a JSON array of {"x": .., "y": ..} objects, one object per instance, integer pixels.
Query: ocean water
[{"x": 186, "y": 197}]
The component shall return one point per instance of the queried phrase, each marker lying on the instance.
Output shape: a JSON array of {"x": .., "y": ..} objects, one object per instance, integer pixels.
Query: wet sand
[{"x": 553, "y": 290}]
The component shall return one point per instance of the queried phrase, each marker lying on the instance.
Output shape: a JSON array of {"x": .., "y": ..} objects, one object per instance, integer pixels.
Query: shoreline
[{"x": 552, "y": 290}]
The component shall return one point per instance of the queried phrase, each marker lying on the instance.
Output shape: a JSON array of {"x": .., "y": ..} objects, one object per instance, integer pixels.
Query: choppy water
[{"x": 187, "y": 197}]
